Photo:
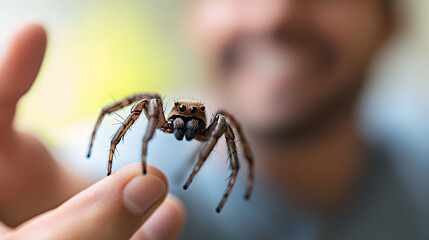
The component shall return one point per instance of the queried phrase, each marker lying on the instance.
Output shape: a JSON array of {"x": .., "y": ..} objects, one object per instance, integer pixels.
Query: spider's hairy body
[
  {"x": 188, "y": 103},
  {"x": 186, "y": 119}
]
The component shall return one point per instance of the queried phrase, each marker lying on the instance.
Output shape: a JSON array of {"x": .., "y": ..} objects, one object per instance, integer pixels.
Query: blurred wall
[
  {"x": 98, "y": 51},
  {"x": 102, "y": 50},
  {"x": 396, "y": 104}
]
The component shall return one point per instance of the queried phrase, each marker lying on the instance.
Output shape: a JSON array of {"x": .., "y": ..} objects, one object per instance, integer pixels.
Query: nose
[{"x": 261, "y": 16}]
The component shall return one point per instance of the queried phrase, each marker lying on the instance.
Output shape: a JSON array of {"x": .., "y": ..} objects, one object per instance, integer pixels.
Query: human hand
[
  {"x": 114, "y": 208},
  {"x": 31, "y": 181}
]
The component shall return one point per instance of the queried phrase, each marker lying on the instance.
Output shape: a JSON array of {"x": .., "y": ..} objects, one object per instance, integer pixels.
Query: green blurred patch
[
  {"x": 110, "y": 50},
  {"x": 121, "y": 53}
]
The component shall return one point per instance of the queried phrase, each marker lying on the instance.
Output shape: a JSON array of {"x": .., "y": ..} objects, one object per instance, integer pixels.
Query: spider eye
[
  {"x": 176, "y": 104},
  {"x": 193, "y": 110},
  {"x": 203, "y": 109},
  {"x": 182, "y": 108}
]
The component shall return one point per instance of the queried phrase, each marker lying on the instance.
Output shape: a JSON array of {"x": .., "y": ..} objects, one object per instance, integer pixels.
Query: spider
[{"x": 186, "y": 119}]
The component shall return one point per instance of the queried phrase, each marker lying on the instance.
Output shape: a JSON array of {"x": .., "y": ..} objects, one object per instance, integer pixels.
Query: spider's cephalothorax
[{"x": 186, "y": 119}]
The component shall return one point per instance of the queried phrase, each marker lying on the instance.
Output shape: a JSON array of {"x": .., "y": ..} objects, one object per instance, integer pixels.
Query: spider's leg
[
  {"x": 218, "y": 130},
  {"x": 135, "y": 113},
  {"x": 116, "y": 106},
  {"x": 181, "y": 174},
  {"x": 232, "y": 152},
  {"x": 195, "y": 154},
  {"x": 155, "y": 115},
  {"x": 246, "y": 149}
]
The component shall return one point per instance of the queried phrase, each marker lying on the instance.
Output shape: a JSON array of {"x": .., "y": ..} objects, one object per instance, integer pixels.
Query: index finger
[{"x": 19, "y": 69}]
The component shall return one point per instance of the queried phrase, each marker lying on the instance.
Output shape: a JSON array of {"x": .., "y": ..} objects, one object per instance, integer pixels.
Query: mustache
[{"x": 322, "y": 49}]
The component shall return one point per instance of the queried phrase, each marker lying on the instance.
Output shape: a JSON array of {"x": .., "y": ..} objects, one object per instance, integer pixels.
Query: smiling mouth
[{"x": 278, "y": 59}]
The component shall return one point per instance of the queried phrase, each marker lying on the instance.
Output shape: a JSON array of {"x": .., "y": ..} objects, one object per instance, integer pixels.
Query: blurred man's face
[{"x": 284, "y": 64}]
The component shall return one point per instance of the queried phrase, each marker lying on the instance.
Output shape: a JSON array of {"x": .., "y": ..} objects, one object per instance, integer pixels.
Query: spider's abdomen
[{"x": 187, "y": 127}]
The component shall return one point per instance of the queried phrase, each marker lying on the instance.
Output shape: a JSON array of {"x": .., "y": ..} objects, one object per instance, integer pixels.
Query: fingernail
[{"x": 142, "y": 192}]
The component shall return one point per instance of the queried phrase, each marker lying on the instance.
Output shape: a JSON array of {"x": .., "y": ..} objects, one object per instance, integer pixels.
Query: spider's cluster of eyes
[{"x": 192, "y": 110}]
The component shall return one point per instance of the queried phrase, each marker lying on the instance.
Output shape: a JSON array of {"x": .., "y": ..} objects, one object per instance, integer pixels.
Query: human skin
[
  {"x": 269, "y": 107},
  {"x": 39, "y": 199},
  {"x": 292, "y": 72}
]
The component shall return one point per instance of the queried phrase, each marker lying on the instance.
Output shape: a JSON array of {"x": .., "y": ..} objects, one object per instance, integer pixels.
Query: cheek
[
  {"x": 262, "y": 15},
  {"x": 355, "y": 28},
  {"x": 213, "y": 23}
]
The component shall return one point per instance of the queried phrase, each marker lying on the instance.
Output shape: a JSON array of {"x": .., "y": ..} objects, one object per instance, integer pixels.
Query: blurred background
[
  {"x": 103, "y": 50},
  {"x": 98, "y": 52}
]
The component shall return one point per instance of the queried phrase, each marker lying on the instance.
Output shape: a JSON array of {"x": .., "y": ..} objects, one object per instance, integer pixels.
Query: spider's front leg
[
  {"x": 246, "y": 148},
  {"x": 156, "y": 117},
  {"x": 232, "y": 152},
  {"x": 153, "y": 110},
  {"x": 116, "y": 106},
  {"x": 218, "y": 127},
  {"x": 135, "y": 113}
]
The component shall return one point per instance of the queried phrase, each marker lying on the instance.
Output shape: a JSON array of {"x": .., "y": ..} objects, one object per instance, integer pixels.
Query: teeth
[
  {"x": 275, "y": 65},
  {"x": 270, "y": 65},
  {"x": 268, "y": 60}
]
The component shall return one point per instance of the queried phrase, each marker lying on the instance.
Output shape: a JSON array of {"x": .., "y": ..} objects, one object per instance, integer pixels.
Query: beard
[
  {"x": 290, "y": 85},
  {"x": 315, "y": 120}
]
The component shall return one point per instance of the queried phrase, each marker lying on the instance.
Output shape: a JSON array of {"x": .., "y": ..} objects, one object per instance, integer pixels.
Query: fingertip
[
  {"x": 167, "y": 222},
  {"x": 157, "y": 173},
  {"x": 113, "y": 208},
  {"x": 35, "y": 31},
  {"x": 178, "y": 206},
  {"x": 132, "y": 170},
  {"x": 142, "y": 192},
  {"x": 31, "y": 38},
  {"x": 22, "y": 62}
]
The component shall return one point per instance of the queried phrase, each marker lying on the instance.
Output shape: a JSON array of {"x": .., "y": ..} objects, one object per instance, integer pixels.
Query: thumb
[{"x": 113, "y": 208}]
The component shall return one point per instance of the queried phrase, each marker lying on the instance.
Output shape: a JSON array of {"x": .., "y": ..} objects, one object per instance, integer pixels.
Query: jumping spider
[{"x": 186, "y": 119}]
